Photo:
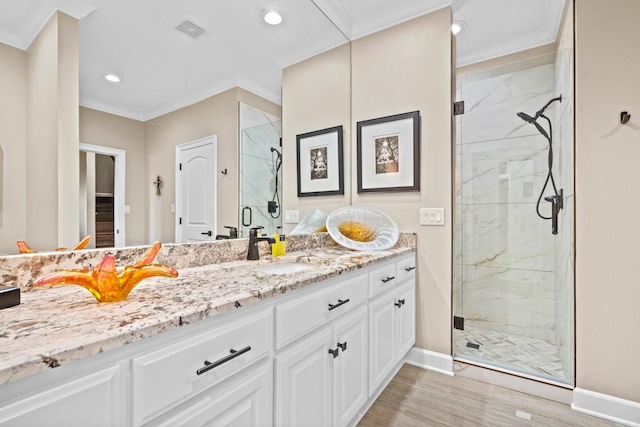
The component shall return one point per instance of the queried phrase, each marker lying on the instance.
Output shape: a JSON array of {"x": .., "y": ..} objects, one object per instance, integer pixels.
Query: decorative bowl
[{"x": 360, "y": 228}]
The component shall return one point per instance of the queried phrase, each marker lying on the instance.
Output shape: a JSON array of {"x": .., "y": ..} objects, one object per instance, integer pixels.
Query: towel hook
[{"x": 624, "y": 117}]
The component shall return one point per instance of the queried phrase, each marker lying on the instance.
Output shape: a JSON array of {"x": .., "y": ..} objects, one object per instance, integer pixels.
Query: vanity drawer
[
  {"x": 406, "y": 268},
  {"x": 163, "y": 378},
  {"x": 294, "y": 318},
  {"x": 382, "y": 278}
]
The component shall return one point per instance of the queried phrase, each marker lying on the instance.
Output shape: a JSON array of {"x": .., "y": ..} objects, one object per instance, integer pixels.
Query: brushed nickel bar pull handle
[
  {"x": 208, "y": 365},
  {"x": 409, "y": 268},
  {"x": 340, "y": 302},
  {"x": 388, "y": 279}
]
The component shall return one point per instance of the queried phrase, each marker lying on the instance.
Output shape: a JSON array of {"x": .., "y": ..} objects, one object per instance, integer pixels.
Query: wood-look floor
[{"x": 418, "y": 397}]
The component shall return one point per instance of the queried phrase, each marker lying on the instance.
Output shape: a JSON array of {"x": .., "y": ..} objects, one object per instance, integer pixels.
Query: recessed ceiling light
[
  {"x": 272, "y": 17},
  {"x": 458, "y": 26},
  {"x": 112, "y": 78}
]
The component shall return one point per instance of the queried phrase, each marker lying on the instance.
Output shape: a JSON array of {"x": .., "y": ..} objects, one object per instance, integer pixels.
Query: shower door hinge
[
  {"x": 180, "y": 221},
  {"x": 458, "y": 108},
  {"x": 458, "y": 323}
]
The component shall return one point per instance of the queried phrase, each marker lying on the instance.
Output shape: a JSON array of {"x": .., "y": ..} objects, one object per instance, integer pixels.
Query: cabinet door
[
  {"x": 382, "y": 338},
  {"x": 304, "y": 382},
  {"x": 91, "y": 400},
  {"x": 406, "y": 315},
  {"x": 350, "y": 367},
  {"x": 243, "y": 401}
]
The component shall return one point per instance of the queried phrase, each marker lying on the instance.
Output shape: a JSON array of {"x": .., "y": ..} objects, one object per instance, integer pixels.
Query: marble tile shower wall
[
  {"x": 258, "y": 175},
  {"x": 506, "y": 255},
  {"x": 565, "y": 250}
]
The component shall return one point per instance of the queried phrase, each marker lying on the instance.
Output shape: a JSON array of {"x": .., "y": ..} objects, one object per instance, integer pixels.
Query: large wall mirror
[{"x": 176, "y": 86}]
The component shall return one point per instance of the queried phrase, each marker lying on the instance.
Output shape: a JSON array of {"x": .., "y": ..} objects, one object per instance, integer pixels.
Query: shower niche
[{"x": 513, "y": 292}]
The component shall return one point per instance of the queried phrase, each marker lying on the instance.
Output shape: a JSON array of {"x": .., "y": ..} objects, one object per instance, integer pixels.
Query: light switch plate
[
  {"x": 431, "y": 216},
  {"x": 291, "y": 217}
]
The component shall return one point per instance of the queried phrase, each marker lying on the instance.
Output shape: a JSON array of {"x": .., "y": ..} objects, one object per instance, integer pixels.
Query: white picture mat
[
  {"x": 332, "y": 182},
  {"x": 404, "y": 177}
]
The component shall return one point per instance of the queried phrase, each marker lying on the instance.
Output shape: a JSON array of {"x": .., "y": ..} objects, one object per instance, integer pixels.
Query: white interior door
[
  {"x": 118, "y": 191},
  {"x": 196, "y": 190}
]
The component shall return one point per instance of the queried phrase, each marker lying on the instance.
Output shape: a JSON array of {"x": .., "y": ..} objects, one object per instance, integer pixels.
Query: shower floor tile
[{"x": 518, "y": 353}]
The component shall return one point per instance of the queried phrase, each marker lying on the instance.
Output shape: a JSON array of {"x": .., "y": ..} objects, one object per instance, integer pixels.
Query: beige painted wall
[
  {"x": 401, "y": 69},
  {"x": 217, "y": 115},
  {"x": 113, "y": 131},
  {"x": 52, "y": 134},
  {"x": 13, "y": 139},
  {"x": 316, "y": 94},
  {"x": 607, "y": 206},
  {"x": 68, "y": 131},
  {"x": 42, "y": 143}
]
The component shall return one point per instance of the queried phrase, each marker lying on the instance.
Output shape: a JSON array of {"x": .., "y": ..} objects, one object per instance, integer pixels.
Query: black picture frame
[
  {"x": 388, "y": 153},
  {"x": 320, "y": 169}
]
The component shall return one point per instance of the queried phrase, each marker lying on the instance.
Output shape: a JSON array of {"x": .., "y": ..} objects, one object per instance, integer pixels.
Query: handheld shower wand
[
  {"x": 556, "y": 199},
  {"x": 274, "y": 204}
]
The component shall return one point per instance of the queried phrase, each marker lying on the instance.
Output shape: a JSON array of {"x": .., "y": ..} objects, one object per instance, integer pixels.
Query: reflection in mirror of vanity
[{"x": 174, "y": 89}]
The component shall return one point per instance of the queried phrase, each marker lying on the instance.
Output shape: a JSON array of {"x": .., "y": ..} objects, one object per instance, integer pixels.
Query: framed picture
[
  {"x": 389, "y": 153},
  {"x": 320, "y": 169}
]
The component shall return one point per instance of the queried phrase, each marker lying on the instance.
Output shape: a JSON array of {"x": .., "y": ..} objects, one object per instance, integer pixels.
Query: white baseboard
[
  {"x": 442, "y": 363},
  {"x": 611, "y": 408}
]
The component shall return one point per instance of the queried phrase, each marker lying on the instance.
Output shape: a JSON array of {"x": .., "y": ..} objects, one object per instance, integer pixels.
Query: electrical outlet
[
  {"x": 431, "y": 216},
  {"x": 291, "y": 217}
]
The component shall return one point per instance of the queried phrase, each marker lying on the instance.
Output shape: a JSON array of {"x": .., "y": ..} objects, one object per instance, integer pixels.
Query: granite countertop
[{"x": 61, "y": 324}]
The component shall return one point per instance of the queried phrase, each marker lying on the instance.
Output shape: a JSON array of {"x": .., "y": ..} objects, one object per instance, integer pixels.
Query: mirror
[{"x": 149, "y": 133}]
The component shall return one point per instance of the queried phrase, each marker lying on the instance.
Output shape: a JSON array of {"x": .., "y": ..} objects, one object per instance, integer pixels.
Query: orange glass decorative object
[
  {"x": 107, "y": 283},
  {"x": 23, "y": 248},
  {"x": 357, "y": 231}
]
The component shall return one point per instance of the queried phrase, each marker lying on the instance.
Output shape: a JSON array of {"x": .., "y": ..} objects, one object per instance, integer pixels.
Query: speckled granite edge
[
  {"x": 58, "y": 325},
  {"x": 22, "y": 270}
]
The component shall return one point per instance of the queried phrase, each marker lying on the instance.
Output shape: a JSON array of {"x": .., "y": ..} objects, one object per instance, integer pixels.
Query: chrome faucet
[{"x": 252, "y": 252}]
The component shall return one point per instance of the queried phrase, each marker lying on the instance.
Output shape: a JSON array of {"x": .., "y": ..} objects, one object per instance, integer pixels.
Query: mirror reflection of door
[
  {"x": 196, "y": 190},
  {"x": 102, "y": 196},
  {"x": 104, "y": 203}
]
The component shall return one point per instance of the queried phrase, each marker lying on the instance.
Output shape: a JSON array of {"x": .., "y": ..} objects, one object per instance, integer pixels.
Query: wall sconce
[{"x": 159, "y": 184}]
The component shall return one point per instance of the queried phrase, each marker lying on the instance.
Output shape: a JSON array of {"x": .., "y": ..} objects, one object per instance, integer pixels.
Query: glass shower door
[
  {"x": 513, "y": 295},
  {"x": 260, "y": 178}
]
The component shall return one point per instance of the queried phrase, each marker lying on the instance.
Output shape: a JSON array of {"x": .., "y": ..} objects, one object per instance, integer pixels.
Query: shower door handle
[{"x": 245, "y": 209}]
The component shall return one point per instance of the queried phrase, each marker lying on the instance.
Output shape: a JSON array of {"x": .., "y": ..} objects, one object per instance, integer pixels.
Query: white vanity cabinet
[
  {"x": 391, "y": 318},
  {"x": 321, "y": 378},
  {"x": 244, "y": 401},
  {"x": 91, "y": 399},
  {"x": 175, "y": 373},
  {"x": 316, "y": 356}
]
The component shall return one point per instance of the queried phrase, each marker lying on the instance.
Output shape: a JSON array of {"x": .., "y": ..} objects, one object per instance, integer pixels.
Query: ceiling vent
[{"x": 190, "y": 29}]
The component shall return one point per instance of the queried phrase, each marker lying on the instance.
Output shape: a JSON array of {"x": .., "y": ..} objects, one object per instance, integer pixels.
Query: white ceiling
[{"x": 163, "y": 69}]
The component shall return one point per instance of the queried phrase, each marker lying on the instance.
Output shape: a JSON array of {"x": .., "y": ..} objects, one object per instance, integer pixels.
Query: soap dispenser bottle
[
  {"x": 282, "y": 244},
  {"x": 275, "y": 247}
]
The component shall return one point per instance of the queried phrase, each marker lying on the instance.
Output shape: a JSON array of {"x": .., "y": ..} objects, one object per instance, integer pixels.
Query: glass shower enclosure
[
  {"x": 514, "y": 284},
  {"x": 260, "y": 188}
]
